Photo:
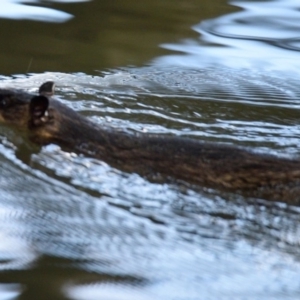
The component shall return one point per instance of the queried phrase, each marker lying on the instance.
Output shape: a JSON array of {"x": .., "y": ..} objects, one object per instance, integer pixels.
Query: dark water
[{"x": 72, "y": 227}]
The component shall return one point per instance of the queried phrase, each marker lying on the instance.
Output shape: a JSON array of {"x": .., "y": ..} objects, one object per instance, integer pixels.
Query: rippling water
[
  {"x": 18, "y": 10},
  {"x": 73, "y": 227}
]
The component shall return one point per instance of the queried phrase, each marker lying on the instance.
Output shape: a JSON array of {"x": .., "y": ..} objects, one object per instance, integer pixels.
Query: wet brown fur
[
  {"x": 14, "y": 107},
  {"x": 206, "y": 164}
]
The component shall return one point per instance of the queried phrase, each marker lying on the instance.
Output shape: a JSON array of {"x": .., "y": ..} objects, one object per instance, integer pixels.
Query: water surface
[{"x": 73, "y": 227}]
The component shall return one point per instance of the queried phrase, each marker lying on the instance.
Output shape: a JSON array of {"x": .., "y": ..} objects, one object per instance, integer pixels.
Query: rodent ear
[
  {"x": 38, "y": 110},
  {"x": 47, "y": 89}
]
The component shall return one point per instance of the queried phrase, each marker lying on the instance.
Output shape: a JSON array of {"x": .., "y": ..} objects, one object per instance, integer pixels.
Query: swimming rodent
[{"x": 206, "y": 164}]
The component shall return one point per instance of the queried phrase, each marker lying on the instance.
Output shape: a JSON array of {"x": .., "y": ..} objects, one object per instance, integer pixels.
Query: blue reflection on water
[
  {"x": 15, "y": 9},
  {"x": 262, "y": 35}
]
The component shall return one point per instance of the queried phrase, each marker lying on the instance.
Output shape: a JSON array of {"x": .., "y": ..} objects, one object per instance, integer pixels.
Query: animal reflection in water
[{"x": 207, "y": 164}]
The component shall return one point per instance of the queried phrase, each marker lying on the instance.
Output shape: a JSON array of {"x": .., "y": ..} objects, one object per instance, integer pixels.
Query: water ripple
[{"x": 17, "y": 10}]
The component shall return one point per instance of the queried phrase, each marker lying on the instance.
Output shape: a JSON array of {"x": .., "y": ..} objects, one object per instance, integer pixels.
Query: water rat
[{"x": 207, "y": 164}]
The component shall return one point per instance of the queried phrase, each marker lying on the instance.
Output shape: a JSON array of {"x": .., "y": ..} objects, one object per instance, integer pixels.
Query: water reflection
[
  {"x": 76, "y": 228},
  {"x": 10, "y": 291},
  {"x": 106, "y": 291},
  {"x": 141, "y": 239},
  {"x": 258, "y": 36},
  {"x": 15, "y": 9}
]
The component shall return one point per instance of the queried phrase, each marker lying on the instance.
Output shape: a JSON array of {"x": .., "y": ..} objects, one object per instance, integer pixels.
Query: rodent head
[
  {"x": 51, "y": 121},
  {"x": 37, "y": 114},
  {"x": 14, "y": 104},
  {"x": 14, "y": 107},
  {"x": 46, "y": 119}
]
